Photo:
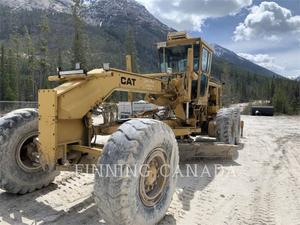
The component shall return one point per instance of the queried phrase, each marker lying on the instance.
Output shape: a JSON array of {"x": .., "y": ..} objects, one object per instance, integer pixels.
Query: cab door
[{"x": 205, "y": 61}]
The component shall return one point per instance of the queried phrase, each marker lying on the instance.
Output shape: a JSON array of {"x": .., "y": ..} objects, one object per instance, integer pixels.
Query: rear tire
[
  {"x": 212, "y": 128},
  {"x": 122, "y": 200},
  {"x": 237, "y": 121},
  {"x": 19, "y": 173},
  {"x": 225, "y": 126}
]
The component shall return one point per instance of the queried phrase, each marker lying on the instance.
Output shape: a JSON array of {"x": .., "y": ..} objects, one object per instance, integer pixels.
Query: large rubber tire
[
  {"x": 118, "y": 198},
  {"x": 225, "y": 126},
  {"x": 15, "y": 128},
  {"x": 237, "y": 121}
]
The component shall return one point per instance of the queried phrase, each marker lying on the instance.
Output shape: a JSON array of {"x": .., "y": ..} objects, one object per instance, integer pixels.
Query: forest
[
  {"x": 246, "y": 86},
  {"x": 31, "y": 54}
]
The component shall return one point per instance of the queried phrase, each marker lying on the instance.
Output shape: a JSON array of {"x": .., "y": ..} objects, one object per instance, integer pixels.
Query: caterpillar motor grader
[{"x": 37, "y": 143}]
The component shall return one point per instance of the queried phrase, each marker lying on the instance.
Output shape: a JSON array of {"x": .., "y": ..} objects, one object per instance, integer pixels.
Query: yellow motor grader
[{"x": 62, "y": 132}]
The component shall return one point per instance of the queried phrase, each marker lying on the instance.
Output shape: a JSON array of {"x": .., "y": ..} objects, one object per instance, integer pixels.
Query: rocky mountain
[
  {"x": 36, "y": 36},
  {"x": 95, "y": 12},
  {"x": 294, "y": 78},
  {"x": 119, "y": 12},
  {"x": 108, "y": 23},
  {"x": 222, "y": 53},
  {"x": 56, "y": 5}
]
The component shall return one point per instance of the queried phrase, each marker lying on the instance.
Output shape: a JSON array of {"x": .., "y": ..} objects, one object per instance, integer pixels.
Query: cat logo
[{"x": 128, "y": 81}]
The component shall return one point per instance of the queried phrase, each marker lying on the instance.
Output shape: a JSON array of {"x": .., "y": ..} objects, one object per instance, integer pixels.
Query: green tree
[
  {"x": 2, "y": 72},
  {"x": 130, "y": 45},
  {"x": 30, "y": 87},
  {"x": 10, "y": 92},
  {"x": 43, "y": 61},
  {"x": 15, "y": 59},
  {"x": 79, "y": 50},
  {"x": 60, "y": 62},
  {"x": 280, "y": 99}
]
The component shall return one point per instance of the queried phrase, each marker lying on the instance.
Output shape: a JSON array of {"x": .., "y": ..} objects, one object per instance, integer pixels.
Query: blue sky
[{"x": 265, "y": 32}]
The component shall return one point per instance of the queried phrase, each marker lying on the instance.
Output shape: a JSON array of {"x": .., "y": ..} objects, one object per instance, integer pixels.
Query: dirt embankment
[{"x": 261, "y": 187}]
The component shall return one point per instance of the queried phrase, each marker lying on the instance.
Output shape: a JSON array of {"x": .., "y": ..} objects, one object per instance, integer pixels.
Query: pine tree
[
  {"x": 2, "y": 72},
  {"x": 272, "y": 88},
  {"x": 283, "y": 98},
  {"x": 79, "y": 50},
  {"x": 59, "y": 58},
  {"x": 43, "y": 53},
  {"x": 130, "y": 45},
  {"x": 10, "y": 92},
  {"x": 30, "y": 84},
  {"x": 15, "y": 59}
]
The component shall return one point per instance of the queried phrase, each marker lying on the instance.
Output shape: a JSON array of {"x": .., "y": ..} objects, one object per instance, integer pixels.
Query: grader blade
[{"x": 208, "y": 150}]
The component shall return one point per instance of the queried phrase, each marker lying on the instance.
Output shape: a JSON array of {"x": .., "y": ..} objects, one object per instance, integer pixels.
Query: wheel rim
[
  {"x": 153, "y": 179},
  {"x": 27, "y": 154}
]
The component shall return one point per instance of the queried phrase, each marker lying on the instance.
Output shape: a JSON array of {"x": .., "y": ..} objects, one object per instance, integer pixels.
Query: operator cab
[{"x": 173, "y": 58}]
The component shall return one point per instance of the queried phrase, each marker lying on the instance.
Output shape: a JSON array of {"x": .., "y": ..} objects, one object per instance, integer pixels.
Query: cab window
[
  {"x": 196, "y": 57},
  {"x": 205, "y": 57},
  {"x": 175, "y": 58},
  {"x": 209, "y": 62},
  {"x": 203, "y": 85}
]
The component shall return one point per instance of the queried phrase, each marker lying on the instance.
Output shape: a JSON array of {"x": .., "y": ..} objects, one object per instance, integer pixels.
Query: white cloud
[
  {"x": 284, "y": 57},
  {"x": 273, "y": 37},
  {"x": 191, "y": 14},
  {"x": 268, "y": 21},
  {"x": 263, "y": 60}
]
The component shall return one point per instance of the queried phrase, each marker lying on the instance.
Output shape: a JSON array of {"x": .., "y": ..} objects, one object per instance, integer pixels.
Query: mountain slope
[
  {"x": 119, "y": 12},
  {"x": 112, "y": 28},
  {"x": 222, "y": 53},
  {"x": 95, "y": 12},
  {"x": 108, "y": 25},
  {"x": 56, "y": 5}
]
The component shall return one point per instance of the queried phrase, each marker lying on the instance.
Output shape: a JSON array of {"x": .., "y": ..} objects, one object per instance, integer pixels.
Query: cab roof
[{"x": 181, "y": 38}]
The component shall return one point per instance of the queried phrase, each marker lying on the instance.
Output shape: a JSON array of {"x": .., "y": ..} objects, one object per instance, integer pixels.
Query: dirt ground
[{"x": 261, "y": 187}]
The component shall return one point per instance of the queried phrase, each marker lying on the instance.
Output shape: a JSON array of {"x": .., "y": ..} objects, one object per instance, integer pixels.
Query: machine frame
[{"x": 65, "y": 112}]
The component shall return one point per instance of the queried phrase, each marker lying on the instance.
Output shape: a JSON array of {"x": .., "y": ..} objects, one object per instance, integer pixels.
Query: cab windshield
[{"x": 176, "y": 58}]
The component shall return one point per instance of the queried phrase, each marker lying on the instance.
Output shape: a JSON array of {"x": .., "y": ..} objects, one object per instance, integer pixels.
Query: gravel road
[{"x": 261, "y": 187}]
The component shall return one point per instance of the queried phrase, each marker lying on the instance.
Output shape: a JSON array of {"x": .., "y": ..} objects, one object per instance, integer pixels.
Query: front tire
[
  {"x": 225, "y": 126},
  {"x": 237, "y": 121},
  {"x": 139, "y": 199},
  {"x": 20, "y": 171}
]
